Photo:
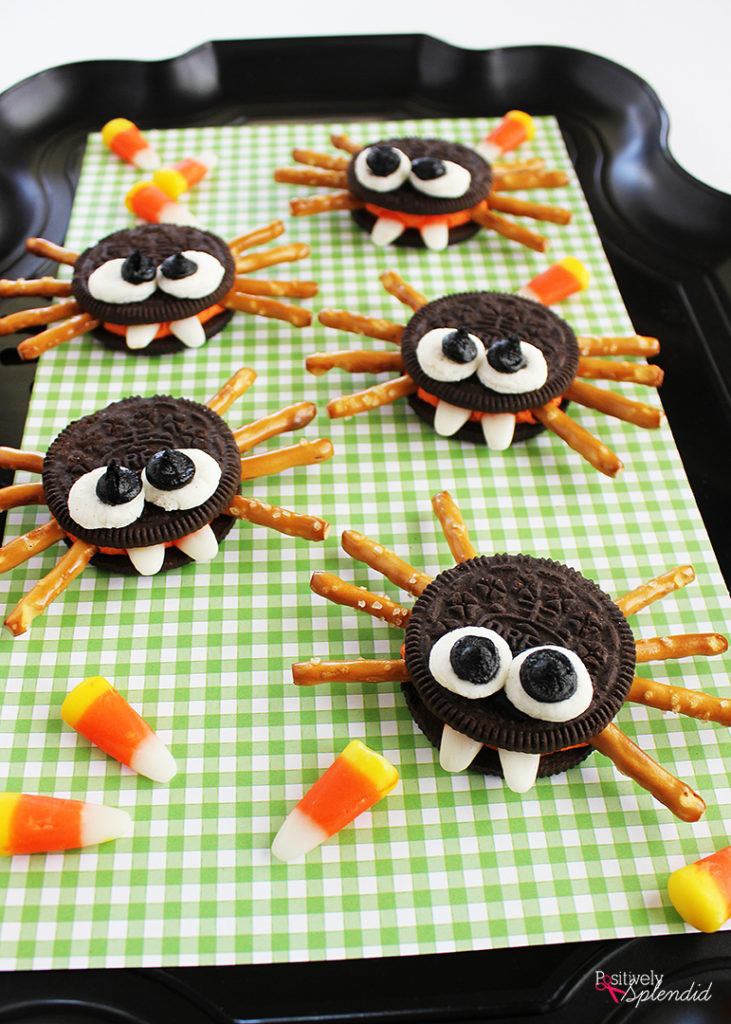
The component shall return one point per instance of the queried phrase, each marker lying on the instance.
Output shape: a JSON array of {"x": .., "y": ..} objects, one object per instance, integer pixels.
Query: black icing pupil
[
  {"x": 178, "y": 266},
  {"x": 458, "y": 346},
  {"x": 428, "y": 167},
  {"x": 118, "y": 485},
  {"x": 382, "y": 161},
  {"x": 475, "y": 659},
  {"x": 548, "y": 677},
  {"x": 170, "y": 469},
  {"x": 137, "y": 268},
  {"x": 505, "y": 355}
]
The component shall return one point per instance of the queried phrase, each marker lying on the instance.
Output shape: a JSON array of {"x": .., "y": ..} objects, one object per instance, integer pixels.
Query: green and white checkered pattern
[{"x": 446, "y": 862}]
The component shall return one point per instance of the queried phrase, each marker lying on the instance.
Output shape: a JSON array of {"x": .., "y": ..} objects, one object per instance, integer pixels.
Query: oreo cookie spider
[
  {"x": 516, "y": 666},
  {"x": 155, "y": 289},
  {"x": 493, "y": 368},
  {"x": 150, "y": 484},
  {"x": 428, "y": 192}
]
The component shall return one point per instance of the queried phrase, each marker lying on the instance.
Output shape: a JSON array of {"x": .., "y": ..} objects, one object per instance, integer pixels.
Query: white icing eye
[
  {"x": 120, "y": 280},
  {"x": 191, "y": 274},
  {"x": 450, "y": 353},
  {"x": 180, "y": 478},
  {"x": 381, "y": 168},
  {"x": 443, "y": 179},
  {"x": 471, "y": 661},
  {"x": 513, "y": 367},
  {"x": 549, "y": 683},
  {"x": 106, "y": 498}
]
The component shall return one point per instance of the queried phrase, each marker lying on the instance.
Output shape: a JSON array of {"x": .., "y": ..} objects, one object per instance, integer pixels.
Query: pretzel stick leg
[
  {"x": 293, "y": 417},
  {"x": 306, "y": 453},
  {"x": 526, "y": 208},
  {"x": 533, "y": 163},
  {"x": 35, "y": 286},
  {"x": 309, "y": 673},
  {"x": 371, "y": 327},
  {"x": 635, "y": 345},
  {"x": 287, "y": 289},
  {"x": 687, "y": 645},
  {"x": 634, "y": 600},
  {"x": 325, "y": 160},
  {"x": 340, "y": 592},
  {"x": 31, "y": 348},
  {"x": 693, "y": 703},
  {"x": 362, "y": 548},
  {"x": 454, "y": 526},
  {"x": 508, "y": 229},
  {"x": 632, "y": 761},
  {"x": 613, "y": 404},
  {"x": 293, "y": 524},
  {"x": 259, "y": 305},
  {"x": 517, "y": 178},
  {"x": 18, "y": 495},
  {"x": 256, "y": 237},
  {"x": 49, "y": 588},
  {"x": 365, "y": 361},
  {"x": 15, "y": 458},
  {"x": 51, "y": 251},
  {"x": 304, "y": 206},
  {"x": 272, "y": 257},
  {"x": 607, "y": 369},
  {"x": 342, "y": 141},
  {"x": 231, "y": 390},
  {"x": 396, "y": 286},
  {"x": 317, "y": 176},
  {"x": 588, "y": 446},
  {"x": 20, "y": 549},
  {"x": 25, "y": 318},
  {"x": 371, "y": 398}
]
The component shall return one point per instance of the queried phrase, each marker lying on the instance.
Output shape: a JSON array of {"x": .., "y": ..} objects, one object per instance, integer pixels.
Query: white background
[{"x": 681, "y": 49}]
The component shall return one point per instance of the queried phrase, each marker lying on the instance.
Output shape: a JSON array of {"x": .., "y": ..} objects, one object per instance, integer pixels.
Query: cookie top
[
  {"x": 419, "y": 176},
  {"x": 141, "y": 471},
  {"x": 490, "y": 352},
  {"x": 529, "y": 603},
  {"x": 153, "y": 273}
]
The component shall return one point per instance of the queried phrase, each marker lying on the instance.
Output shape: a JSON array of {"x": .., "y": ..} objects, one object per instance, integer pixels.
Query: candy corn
[
  {"x": 515, "y": 128},
  {"x": 147, "y": 201},
  {"x": 701, "y": 892},
  {"x": 126, "y": 140},
  {"x": 42, "y": 824},
  {"x": 558, "y": 282},
  {"x": 183, "y": 175},
  {"x": 101, "y": 714},
  {"x": 355, "y": 780}
]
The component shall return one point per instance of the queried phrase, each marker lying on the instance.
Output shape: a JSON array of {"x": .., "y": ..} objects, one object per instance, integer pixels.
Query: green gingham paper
[{"x": 445, "y": 862}]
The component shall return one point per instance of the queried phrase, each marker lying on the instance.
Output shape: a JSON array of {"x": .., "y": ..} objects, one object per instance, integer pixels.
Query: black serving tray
[{"x": 668, "y": 239}]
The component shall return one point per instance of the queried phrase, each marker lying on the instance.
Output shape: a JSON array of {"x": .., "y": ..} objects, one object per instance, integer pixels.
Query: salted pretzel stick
[
  {"x": 259, "y": 305},
  {"x": 613, "y": 404},
  {"x": 344, "y": 142},
  {"x": 293, "y": 524},
  {"x": 306, "y": 453},
  {"x": 371, "y": 398},
  {"x": 340, "y": 592},
  {"x": 367, "y": 361},
  {"x": 506, "y": 228},
  {"x": 20, "y": 549},
  {"x": 362, "y": 548},
  {"x": 588, "y": 446},
  {"x": 231, "y": 390},
  {"x": 607, "y": 369},
  {"x": 289, "y": 289},
  {"x": 635, "y": 345},
  {"x": 685, "y": 645},
  {"x": 303, "y": 206},
  {"x": 18, "y": 495},
  {"x": 311, "y": 176},
  {"x": 35, "y": 317},
  {"x": 506, "y": 181},
  {"x": 51, "y": 251},
  {"x": 534, "y": 163},
  {"x": 632, "y": 761},
  {"x": 371, "y": 327},
  {"x": 256, "y": 237},
  {"x": 677, "y": 699},
  {"x": 634, "y": 600},
  {"x": 396, "y": 286},
  {"x": 330, "y": 163},
  {"x": 527, "y": 208},
  {"x": 293, "y": 417},
  {"x": 15, "y": 458},
  {"x": 35, "y": 286},
  {"x": 31, "y": 348},
  {"x": 454, "y": 526},
  {"x": 279, "y": 254},
  {"x": 309, "y": 673},
  {"x": 48, "y": 589}
]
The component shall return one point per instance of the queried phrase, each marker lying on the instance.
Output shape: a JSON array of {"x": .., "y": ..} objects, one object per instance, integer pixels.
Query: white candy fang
[
  {"x": 201, "y": 546},
  {"x": 457, "y": 751},
  {"x": 140, "y": 335},
  {"x": 189, "y": 330},
  {"x": 435, "y": 236},
  {"x": 147, "y": 561},
  {"x": 386, "y": 230},
  {"x": 519, "y": 769},
  {"x": 449, "y": 418},
  {"x": 498, "y": 429}
]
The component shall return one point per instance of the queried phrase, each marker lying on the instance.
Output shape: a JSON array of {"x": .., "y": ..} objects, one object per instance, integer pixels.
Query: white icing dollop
[
  {"x": 550, "y": 711},
  {"x": 206, "y": 279},
  {"x": 90, "y": 512},
  {"x": 441, "y": 667},
  {"x": 435, "y": 364},
  {"x": 451, "y": 185},
  {"x": 529, "y": 378},
  {"x": 381, "y": 182},
  {"x": 198, "y": 490},
  {"x": 107, "y": 285}
]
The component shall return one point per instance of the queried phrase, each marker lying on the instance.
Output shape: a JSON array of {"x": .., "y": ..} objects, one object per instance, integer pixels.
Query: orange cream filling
[
  {"x": 526, "y": 416},
  {"x": 123, "y": 551},
  {"x": 421, "y": 220},
  {"x": 164, "y": 329}
]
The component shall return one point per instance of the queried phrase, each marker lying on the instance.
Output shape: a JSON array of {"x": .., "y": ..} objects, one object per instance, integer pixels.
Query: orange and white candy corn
[
  {"x": 100, "y": 713},
  {"x": 561, "y": 279},
  {"x": 183, "y": 175},
  {"x": 147, "y": 201},
  {"x": 357, "y": 778},
  {"x": 701, "y": 892},
  {"x": 43, "y": 824},
  {"x": 125, "y": 139},
  {"x": 514, "y": 129}
]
